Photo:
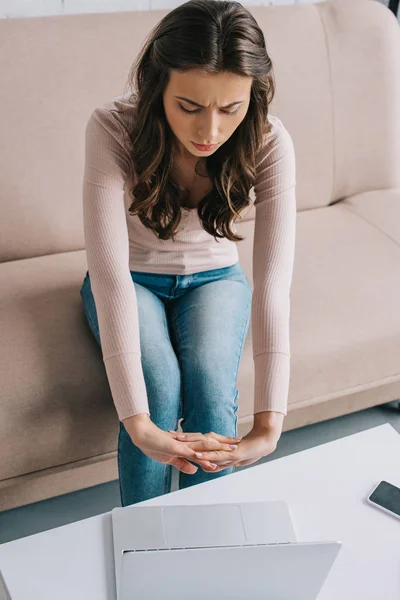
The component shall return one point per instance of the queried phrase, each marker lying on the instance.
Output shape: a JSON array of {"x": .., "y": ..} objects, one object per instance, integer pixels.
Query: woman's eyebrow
[{"x": 201, "y": 105}]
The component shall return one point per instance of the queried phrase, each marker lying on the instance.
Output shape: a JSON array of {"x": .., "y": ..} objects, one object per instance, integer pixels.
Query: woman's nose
[{"x": 208, "y": 131}]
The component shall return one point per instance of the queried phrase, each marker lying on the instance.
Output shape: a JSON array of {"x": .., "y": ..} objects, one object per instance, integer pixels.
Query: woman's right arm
[{"x": 107, "y": 250}]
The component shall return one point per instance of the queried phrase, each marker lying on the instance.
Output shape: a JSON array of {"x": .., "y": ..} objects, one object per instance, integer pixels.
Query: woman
[{"x": 165, "y": 295}]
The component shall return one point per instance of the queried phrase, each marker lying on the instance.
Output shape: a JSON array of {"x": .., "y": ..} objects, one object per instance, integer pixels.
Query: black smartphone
[{"x": 386, "y": 496}]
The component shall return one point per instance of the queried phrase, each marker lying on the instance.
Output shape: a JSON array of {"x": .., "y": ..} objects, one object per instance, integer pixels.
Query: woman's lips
[{"x": 205, "y": 148}]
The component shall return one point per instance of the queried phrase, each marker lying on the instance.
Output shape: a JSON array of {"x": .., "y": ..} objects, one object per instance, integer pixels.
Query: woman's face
[{"x": 214, "y": 121}]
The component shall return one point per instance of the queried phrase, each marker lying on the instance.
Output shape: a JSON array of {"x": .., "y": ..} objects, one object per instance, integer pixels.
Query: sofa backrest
[{"x": 337, "y": 70}]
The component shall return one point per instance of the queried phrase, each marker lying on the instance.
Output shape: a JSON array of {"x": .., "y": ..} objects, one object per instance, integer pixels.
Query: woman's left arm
[{"x": 273, "y": 261}]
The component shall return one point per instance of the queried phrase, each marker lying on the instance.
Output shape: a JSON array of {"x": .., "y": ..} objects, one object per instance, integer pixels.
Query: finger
[
  {"x": 206, "y": 465},
  {"x": 212, "y": 445},
  {"x": 185, "y": 466},
  {"x": 204, "y": 445},
  {"x": 223, "y": 438},
  {"x": 209, "y": 444},
  {"x": 194, "y": 437},
  {"x": 219, "y": 468},
  {"x": 181, "y": 433},
  {"x": 197, "y": 437},
  {"x": 211, "y": 451},
  {"x": 220, "y": 457},
  {"x": 184, "y": 451},
  {"x": 209, "y": 467}
]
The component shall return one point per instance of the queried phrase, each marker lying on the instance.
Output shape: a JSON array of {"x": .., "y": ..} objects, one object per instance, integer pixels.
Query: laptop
[{"x": 235, "y": 551}]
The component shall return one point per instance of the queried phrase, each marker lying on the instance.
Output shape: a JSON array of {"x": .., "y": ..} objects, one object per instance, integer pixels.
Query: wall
[{"x": 32, "y": 8}]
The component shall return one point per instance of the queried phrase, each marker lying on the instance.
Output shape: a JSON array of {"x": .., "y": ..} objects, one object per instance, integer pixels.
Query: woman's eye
[
  {"x": 187, "y": 111},
  {"x": 192, "y": 112}
]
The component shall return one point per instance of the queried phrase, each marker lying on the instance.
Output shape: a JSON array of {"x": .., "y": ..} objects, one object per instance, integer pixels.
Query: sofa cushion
[
  {"x": 56, "y": 405},
  {"x": 363, "y": 45},
  {"x": 345, "y": 298}
]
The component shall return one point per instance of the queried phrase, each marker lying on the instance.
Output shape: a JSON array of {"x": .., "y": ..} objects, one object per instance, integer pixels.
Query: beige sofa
[{"x": 337, "y": 67}]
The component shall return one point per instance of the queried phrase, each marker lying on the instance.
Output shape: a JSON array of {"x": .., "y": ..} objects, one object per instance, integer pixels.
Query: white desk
[{"x": 325, "y": 488}]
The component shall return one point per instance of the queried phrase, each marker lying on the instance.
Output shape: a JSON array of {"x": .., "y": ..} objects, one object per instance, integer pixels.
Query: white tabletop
[{"x": 325, "y": 488}]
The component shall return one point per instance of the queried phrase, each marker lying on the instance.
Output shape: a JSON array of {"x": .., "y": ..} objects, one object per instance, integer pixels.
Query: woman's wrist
[
  {"x": 269, "y": 420},
  {"x": 134, "y": 422}
]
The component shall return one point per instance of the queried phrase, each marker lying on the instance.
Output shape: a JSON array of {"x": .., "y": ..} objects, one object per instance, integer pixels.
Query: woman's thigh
[
  {"x": 210, "y": 323},
  {"x": 159, "y": 362}
]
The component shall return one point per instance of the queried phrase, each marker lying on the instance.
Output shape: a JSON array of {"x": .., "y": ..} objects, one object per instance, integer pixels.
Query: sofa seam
[
  {"x": 348, "y": 391},
  {"x": 333, "y": 120},
  {"x": 104, "y": 456},
  {"x": 346, "y": 207}
]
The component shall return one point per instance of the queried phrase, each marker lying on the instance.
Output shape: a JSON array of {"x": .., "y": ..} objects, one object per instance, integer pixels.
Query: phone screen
[{"x": 387, "y": 495}]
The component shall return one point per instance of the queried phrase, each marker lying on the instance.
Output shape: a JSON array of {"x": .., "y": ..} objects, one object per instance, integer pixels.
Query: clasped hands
[{"x": 217, "y": 453}]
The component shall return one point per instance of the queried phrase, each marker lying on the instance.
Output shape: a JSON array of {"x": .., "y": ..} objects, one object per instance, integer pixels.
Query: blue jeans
[{"x": 192, "y": 332}]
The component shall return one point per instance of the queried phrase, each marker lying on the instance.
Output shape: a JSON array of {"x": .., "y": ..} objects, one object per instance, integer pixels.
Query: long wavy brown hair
[{"x": 214, "y": 36}]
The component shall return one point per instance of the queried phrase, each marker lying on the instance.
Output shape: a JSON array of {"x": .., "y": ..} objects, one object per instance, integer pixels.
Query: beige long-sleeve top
[{"x": 117, "y": 243}]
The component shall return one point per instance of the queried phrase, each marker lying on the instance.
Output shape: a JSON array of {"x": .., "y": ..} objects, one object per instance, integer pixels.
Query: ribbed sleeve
[
  {"x": 107, "y": 252},
  {"x": 273, "y": 261}
]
